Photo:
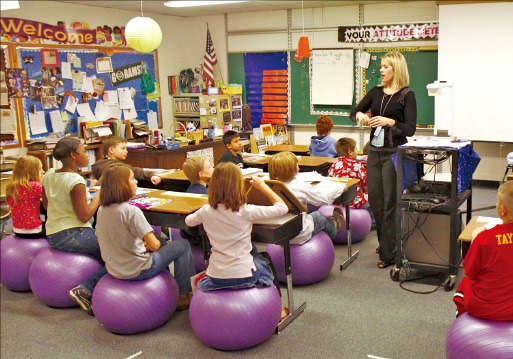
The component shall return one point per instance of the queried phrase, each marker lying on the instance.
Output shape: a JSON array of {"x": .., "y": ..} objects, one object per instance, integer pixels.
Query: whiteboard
[
  {"x": 475, "y": 53},
  {"x": 332, "y": 77}
]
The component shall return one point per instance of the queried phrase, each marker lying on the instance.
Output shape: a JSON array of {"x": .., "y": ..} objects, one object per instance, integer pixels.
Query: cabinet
[
  {"x": 427, "y": 232},
  {"x": 222, "y": 111},
  {"x": 94, "y": 152}
]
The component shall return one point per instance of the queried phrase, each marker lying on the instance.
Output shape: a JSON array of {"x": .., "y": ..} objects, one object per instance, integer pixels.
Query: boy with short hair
[
  {"x": 486, "y": 291},
  {"x": 194, "y": 167},
  {"x": 348, "y": 166},
  {"x": 115, "y": 151},
  {"x": 323, "y": 144},
  {"x": 231, "y": 140}
]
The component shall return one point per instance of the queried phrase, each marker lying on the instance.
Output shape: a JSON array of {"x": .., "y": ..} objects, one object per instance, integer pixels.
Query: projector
[
  {"x": 510, "y": 159},
  {"x": 435, "y": 87}
]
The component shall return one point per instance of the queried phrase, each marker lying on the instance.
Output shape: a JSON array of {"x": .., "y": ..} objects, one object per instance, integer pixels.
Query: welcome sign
[
  {"x": 15, "y": 29},
  {"x": 126, "y": 73}
]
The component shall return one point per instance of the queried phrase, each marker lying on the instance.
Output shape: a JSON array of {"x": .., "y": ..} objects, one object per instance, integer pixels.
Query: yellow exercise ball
[{"x": 143, "y": 34}]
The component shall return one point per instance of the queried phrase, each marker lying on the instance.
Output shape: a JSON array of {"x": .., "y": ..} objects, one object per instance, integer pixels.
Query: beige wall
[{"x": 183, "y": 46}]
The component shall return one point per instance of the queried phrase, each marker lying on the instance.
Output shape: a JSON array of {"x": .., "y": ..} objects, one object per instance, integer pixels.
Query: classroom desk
[
  {"x": 278, "y": 231},
  {"x": 301, "y": 150},
  {"x": 178, "y": 178},
  {"x": 467, "y": 234},
  {"x": 306, "y": 163}
]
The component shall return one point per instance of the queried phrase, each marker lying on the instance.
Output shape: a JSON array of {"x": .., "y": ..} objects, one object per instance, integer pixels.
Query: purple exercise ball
[
  {"x": 235, "y": 319},
  {"x": 359, "y": 218},
  {"x": 310, "y": 262},
  {"x": 471, "y": 337},
  {"x": 54, "y": 273},
  {"x": 130, "y": 307},
  {"x": 16, "y": 257},
  {"x": 199, "y": 259}
]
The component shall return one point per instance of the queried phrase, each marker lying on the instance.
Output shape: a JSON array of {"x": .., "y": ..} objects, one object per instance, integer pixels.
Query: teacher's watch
[{"x": 389, "y": 123}]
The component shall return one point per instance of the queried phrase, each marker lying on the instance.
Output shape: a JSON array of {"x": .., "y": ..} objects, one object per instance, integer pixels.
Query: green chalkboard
[
  {"x": 236, "y": 72},
  {"x": 422, "y": 66}
]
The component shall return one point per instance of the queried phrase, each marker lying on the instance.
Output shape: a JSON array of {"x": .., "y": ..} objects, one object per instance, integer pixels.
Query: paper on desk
[
  {"x": 183, "y": 194},
  {"x": 102, "y": 131},
  {"x": 310, "y": 176}
]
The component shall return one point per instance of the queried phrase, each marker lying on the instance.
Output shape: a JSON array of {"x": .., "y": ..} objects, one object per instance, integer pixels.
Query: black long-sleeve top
[{"x": 402, "y": 108}]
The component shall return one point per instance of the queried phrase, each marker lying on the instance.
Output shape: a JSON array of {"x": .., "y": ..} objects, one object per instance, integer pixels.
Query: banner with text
[{"x": 388, "y": 33}]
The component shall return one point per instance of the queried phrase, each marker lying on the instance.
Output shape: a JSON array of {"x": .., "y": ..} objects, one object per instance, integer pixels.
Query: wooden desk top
[
  {"x": 510, "y": 177},
  {"x": 475, "y": 222},
  {"x": 297, "y": 149},
  {"x": 4, "y": 167},
  {"x": 304, "y": 161},
  {"x": 181, "y": 203}
]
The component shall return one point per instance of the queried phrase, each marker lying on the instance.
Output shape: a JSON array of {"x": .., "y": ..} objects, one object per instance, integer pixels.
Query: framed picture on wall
[{"x": 50, "y": 57}]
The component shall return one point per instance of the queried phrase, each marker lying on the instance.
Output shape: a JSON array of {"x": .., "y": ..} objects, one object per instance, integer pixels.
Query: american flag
[{"x": 210, "y": 61}]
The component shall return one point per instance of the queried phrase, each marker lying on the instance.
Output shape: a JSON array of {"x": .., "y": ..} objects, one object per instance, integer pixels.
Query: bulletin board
[
  {"x": 119, "y": 69},
  {"x": 422, "y": 67},
  {"x": 10, "y": 131}
]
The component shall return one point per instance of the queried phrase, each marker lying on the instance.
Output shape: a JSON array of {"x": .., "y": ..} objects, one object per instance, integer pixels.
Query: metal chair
[{"x": 509, "y": 158}]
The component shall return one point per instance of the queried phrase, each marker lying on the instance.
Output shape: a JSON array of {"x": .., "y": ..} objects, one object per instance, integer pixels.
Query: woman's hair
[
  {"x": 505, "y": 195},
  {"x": 324, "y": 125},
  {"x": 25, "y": 169},
  {"x": 344, "y": 145},
  {"x": 283, "y": 166},
  {"x": 65, "y": 146},
  {"x": 398, "y": 63},
  {"x": 192, "y": 167},
  {"x": 115, "y": 188},
  {"x": 226, "y": 187}
]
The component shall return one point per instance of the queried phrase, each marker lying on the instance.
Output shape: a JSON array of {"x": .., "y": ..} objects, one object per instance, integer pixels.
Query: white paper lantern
[{"x": 143, "y": 34}]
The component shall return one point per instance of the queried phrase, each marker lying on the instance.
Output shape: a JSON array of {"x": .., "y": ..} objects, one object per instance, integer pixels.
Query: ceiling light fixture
[
  {"x": 9, "y": 5},
  {"x": 197, "y": 3},
  {"x": 143, "y": 34}
]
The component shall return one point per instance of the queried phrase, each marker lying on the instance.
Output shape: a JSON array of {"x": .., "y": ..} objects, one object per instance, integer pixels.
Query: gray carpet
[{"x": 356, "y": 313}]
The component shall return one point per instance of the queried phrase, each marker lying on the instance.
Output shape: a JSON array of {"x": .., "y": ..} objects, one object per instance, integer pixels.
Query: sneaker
[
  {"x": 338, "y": 218},
  {"x": 83, "y": 298},
  {"x": 184, "y": 300}
]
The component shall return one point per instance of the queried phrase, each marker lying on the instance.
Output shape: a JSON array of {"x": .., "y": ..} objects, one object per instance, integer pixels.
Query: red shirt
[
  {"x": 489, "y": 261},
  {"x": 347, "y": 167},
  {"x": 25, "y": 213}
]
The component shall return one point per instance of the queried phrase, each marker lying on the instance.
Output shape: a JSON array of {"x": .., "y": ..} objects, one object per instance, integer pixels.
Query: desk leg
[
  {"x": 293, "y": 313},
  {"x": 350, "y": 255}
]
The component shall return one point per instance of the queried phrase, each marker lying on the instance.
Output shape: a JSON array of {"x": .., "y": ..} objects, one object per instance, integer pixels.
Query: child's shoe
[
  {"x": 83, "y": 298},
  {"x": 184, "y": 300},
  {"x": 338, "y": 218},
  {"x": 284, "y": 312}
]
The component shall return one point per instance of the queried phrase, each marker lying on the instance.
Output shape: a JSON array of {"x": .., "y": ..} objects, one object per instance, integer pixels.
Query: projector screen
[{"x": 475, "y": 52}]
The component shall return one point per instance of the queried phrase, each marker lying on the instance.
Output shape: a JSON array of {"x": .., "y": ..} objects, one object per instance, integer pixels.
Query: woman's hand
[
  {"x": 377, "y": 121},
  {"x": 362, "y": 118}
]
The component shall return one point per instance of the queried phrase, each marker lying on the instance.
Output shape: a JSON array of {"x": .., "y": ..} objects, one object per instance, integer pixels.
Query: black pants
[{"x": 381, "y": 183}]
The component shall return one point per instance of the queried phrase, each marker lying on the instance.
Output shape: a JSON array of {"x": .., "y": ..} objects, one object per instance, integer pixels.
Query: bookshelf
[
  {"x": 94, "y": 152},
  {"x": 224, "y": 111}
]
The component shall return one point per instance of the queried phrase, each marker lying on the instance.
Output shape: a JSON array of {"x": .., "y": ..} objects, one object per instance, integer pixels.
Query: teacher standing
[{"x": 393, "y": 117}]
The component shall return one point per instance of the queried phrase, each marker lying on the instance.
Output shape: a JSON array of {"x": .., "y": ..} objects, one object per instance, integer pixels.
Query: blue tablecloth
[{"x": 468, "y": 160}]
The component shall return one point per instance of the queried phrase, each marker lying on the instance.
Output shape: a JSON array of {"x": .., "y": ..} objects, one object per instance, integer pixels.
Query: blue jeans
[
  {"x": 80, "y": 240},
  {"x": 262, "y": 276},
  {"x": 321, "y": 223},
  {"x": 178, "y": 251}
]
